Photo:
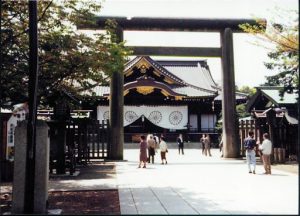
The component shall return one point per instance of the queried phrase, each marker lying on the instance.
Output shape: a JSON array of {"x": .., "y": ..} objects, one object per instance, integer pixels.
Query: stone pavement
[
  {"x": 195, "y": 184},
  {"x": 189, "y": 184}
]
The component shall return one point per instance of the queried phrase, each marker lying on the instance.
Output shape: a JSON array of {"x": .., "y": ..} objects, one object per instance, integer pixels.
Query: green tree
[
  {"x": 69, "y": 60},
  {"x": 241, "y": 108},
  {"x": 284, "y": 50},
  {"x": 241, "y": 111},
  {"x": 247, "y": 90}
]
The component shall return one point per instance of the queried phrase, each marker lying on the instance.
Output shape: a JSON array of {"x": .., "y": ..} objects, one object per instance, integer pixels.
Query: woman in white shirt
[
  {"x": 266, "y": 148},
  {"x": 163, "y": 150}
]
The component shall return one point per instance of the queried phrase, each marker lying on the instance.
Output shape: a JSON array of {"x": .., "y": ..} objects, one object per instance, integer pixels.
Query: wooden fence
[
  {"x": 244, "y": 127},
  {"x": 86, "y": 139}
]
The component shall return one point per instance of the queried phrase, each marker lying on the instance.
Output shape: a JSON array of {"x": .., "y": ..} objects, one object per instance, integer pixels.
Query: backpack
[{"x": 249, "y": 143}]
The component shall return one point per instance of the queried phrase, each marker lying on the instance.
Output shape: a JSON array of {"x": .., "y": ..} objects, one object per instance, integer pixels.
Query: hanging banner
[{"x": 169, "y": 117}]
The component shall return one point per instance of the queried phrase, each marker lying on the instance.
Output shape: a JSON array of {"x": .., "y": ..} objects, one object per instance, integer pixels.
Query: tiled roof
[
  {"x": 163, "y": 70},
  {"x": 193, "y": 76},
  {"x": 273, "y": 93},
  {"x": 238, "y": 96},
  {"x": 99, "y": 91},
  {"x": 195, "y": 73},
  {"x": 194, "y": 92},
  {"x": 132, "y": 62}
]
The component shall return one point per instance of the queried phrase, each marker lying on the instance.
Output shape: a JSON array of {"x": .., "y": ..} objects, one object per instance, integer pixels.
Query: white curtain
[
  {"x": 208, "y": 121},
  {"x": 170, "y": 117}
]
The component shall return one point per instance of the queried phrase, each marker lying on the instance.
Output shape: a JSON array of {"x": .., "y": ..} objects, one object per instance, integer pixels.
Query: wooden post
[
  {"x": 230, "y": 130},
  {"x": 29, "y": 196},
  {"x": 116, "y": 106},
  {"x": 3, "y": 144},
  {"x": 271, "y": 119}
]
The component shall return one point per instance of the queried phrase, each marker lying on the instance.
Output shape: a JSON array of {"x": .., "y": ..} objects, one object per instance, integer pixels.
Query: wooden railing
[{"x": 244, "y": 127}]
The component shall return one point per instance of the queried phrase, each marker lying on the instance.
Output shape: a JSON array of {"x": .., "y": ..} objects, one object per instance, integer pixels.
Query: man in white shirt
[
  {"x": 151, "y": 148},
  {"x": 163, "y": 150},
  {"x": 266, "y": 148}
]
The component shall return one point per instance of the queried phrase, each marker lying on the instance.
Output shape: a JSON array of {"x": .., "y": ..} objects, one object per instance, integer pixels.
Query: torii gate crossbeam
[{"x": 225, "y": 27}]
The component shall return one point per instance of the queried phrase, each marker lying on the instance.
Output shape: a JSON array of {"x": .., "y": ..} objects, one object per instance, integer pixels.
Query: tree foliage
[
  {"x": 284, "y": 50},
  {"x": 241, "y": 111},
  {"x": 241, "y": 108},
  {"x": 247, "y": 90},
  {"x": 69, "y": 60}
]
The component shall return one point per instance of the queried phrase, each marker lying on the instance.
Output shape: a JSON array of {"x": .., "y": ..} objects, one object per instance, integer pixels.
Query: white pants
[{"x": 250, "y": 155}]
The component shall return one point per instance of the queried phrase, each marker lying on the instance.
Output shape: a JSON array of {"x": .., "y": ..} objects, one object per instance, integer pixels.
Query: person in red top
[{"x": 143, "y": 152}]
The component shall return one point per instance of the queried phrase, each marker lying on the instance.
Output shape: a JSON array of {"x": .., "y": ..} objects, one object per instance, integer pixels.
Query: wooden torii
[{"x": 225, "y": 27}]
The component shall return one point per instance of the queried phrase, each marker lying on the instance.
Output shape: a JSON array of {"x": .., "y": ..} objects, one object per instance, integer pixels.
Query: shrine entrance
[{"x": 225, "y": 27}]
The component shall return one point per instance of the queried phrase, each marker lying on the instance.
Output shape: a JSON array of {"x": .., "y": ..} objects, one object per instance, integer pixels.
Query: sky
[{"x": 248, "y": 58}]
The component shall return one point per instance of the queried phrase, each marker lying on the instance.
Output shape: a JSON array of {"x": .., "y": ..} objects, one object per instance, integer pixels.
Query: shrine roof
[
  {"x": 192, "y": 78},
  {"x": 192, "y": 91},
  {"x": 272, "y": 93},
  {"x": 238, "y": 96},
  {"x": 195, "y": 73},
  {"x": 155, "y": 64}
]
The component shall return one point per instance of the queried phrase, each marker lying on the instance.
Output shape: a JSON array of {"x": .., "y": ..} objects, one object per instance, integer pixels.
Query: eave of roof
[
  {"x": 152, "y": 83},
  {"x": 156, "y": 65},
  {"x": 272, "y": 94},
  {"x": 263, "y": 113},
  {"x": 292, "y": 119},
  {"x": 192, "y": 91}
]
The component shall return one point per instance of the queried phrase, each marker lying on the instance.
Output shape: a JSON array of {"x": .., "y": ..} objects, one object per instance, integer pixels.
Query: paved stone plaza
[
  {"x": 190, "y": 184},
  {"x": 195, "y": 184}
]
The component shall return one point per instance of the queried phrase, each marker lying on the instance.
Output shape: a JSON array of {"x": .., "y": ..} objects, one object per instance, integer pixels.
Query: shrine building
[{"x": 167, "y": 97}]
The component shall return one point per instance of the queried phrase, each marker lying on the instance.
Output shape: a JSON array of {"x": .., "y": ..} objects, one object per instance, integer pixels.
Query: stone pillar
[
  {"x": 230, "y": 124},
  {"x": 116, "y": 107},
  {"x": 41, "y": 168}
]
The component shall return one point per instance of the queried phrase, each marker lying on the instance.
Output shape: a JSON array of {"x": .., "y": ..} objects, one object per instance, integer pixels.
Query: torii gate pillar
[
  {"x": 116, "y": 107},
  {"x": 230, "y": 129}
]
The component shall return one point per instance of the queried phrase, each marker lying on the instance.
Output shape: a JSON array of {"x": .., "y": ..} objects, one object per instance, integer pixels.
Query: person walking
[
  {"x": 249, "y": 145},
  {"x": 151, "y": 148},
  {"x": 202, "y": 143},
  {"x": 157, "y": 141},
  {"x": 207, "y": 145},
  {"x": 180, "y": 143},
  {"x": 143, "y": 152},
  {"x": 163, "y": 150},
  {"x": 266, "y": 148}
]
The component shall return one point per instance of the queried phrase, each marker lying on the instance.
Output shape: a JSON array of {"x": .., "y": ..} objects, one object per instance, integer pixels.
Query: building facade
[{"x": 166, "y": 97}]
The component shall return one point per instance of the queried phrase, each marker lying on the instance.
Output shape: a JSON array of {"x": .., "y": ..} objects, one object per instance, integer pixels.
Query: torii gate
[{"x": 224, "y": 26}]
